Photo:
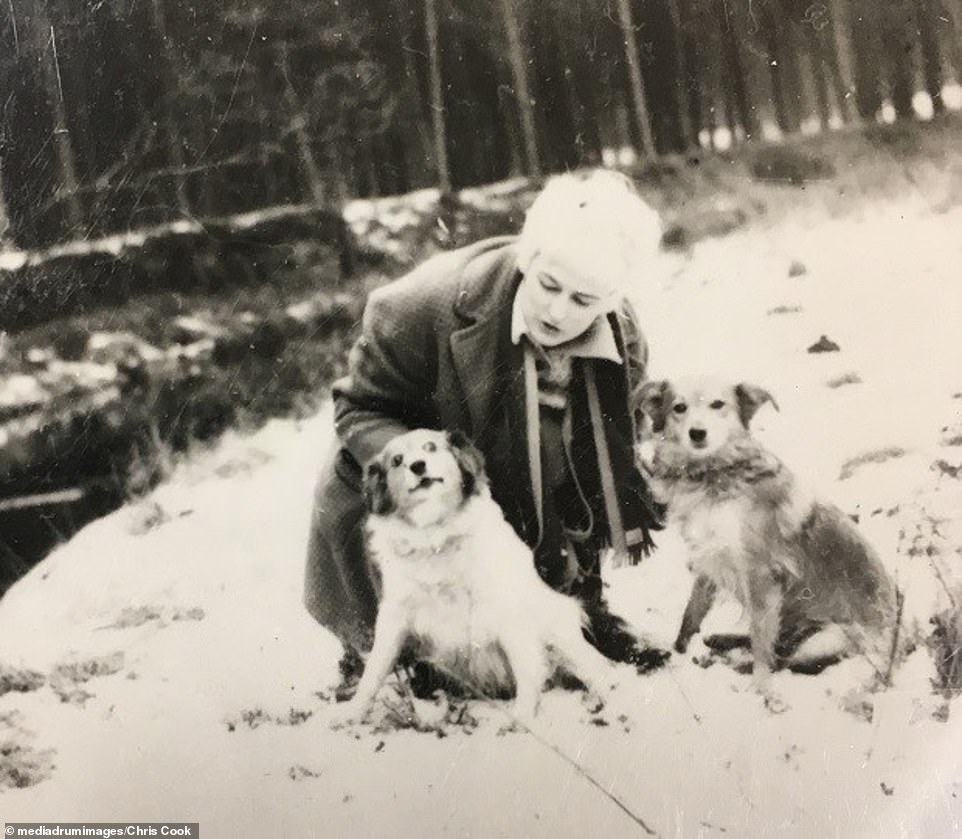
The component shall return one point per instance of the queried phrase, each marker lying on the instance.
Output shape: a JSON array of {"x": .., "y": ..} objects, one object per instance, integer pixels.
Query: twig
[
  {"x": 584, "y": 773},
  {"x": 16, "y": 36},
  {"x": 939, "y": 576},
  {"x": 581, "y": 770},
  {"x": 233, "y": 94},
  {"x": 893, "y": 650}
]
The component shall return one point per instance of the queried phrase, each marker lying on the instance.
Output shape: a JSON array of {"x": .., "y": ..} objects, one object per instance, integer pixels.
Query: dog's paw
[
  {"x": 346, "y": 714},
  {"x": 512, "y": 727},
  {"x": 592, "y": 702},
  {"x": 723, "y": 642},
  {"x": 345, "y": 691},
  {"x": 519, "y": 722},
  {"x": 647, "y": 659},
  {"x": 773, "y": 703}
]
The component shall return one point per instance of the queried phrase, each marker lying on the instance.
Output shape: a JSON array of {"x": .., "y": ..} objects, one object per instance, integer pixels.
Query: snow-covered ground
[{"x": 194, "y": 687}]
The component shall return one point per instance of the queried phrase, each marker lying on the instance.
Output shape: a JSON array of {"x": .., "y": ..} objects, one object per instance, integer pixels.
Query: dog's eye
[
  {"x": 680, "y": 408},
  {"x": 397, "y": 460},
  {"x": 430, "y": 447},
  {"x": 717, "y": 405}
]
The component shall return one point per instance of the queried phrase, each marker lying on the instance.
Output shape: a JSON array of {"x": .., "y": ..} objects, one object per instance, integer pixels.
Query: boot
[
  {"x": 610, "y": 634},
  {"x": 351, "y": 668}
]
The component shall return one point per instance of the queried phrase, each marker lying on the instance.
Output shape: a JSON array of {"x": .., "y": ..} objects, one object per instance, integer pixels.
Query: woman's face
[{"x": 559, "y": 302}]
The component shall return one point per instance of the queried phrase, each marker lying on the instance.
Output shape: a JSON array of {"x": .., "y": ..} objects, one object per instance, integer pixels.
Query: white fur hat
[{"x": 597, "y": 222}]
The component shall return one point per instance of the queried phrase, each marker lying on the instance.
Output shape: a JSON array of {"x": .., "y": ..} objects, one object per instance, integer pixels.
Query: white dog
[
  {"x": 457, "y": 580},
  {"x": 813, "y": 588}
]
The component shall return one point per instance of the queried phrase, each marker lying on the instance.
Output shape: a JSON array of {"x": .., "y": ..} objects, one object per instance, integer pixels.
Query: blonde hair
[{"x": 596, "y": 222}]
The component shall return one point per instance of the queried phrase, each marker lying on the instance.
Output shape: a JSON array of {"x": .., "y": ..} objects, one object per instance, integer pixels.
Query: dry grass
[{"x": 945, "y": 642}]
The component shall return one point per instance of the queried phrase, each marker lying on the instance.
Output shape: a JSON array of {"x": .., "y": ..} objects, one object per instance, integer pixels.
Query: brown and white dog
[
  {"x": 813, "y": 589},
  {"x": 459, "y": 582}
]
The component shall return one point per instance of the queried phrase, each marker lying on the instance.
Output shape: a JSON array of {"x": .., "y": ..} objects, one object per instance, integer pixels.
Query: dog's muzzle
[{"x": 425, "y": 481}]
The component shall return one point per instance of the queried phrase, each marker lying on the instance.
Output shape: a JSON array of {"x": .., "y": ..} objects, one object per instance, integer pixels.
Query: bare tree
[
  {"x": 898, "y": 49},
  {"x": 6, "y": 231},
  {"x": 739, "y": 80},
  {"x": 931, "y": 54},
  {"x": 836, "y": 51},
  {"x": 437, "y": 97},
  {"x": 46, "y": 45},
  {"x": 867, "y": 49},
  {"x": 417, "y": 129},
  {"x": 783, "y": 67},
  {"x": 519, "y": 74},
  {"x": 682, "y": 93},
  {"x": 642, "y": 118},
  {"x": 299, "y": 123},
  {"x": 169, "y": 75}
]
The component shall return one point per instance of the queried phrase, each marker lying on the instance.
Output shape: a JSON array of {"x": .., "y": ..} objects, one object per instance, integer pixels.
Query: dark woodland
[{"x": 120, "y": 114}]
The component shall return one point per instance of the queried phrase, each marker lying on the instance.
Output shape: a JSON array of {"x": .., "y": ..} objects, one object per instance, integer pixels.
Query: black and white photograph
[{"x": 531, "y": 419}]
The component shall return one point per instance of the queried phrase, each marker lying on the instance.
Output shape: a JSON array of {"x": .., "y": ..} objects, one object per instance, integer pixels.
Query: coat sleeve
[{"x": 389, "y": 384}]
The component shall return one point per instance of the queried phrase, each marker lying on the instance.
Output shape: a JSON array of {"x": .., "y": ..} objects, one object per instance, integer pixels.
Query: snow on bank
[{"x": 194, "y": 688}]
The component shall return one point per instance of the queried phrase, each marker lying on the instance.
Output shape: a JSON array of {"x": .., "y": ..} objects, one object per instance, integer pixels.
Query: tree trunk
[
  {"x": 931, "y": 55},
  {"x": 898, "y": 51},
  {"x": 783, "y": 69},
  {"x": 710, "y": 109},
  {"x": 417, "y": 130},
  {"x": 168, "y": 75},
  {"x": 710, "y": 84},
  {"x": 343, "y": 173},
  {"x": 580, "y": 96},
  {"x": 812, "y": 58},
  {"x": 693, "y": 89},
  {"x": 836, "y": 51},
  {"x": 46, "y": 39},
  {"x": 682, "y": 96},
  {"x": 736, "y": 85},
  {"x": 556, "y": 131},
  {"x": 437, "y": 98},
  {"x": 519, "y": 74},
  {"x": 6, "y": 228},
  {"x": 295, "y": 109},
  {"x": 953, "y": 10},
  {"x": 642, "y": 117},
  {"x": 622, "y": 122},
  {"x": 745, "y": 26},
  {"x": 508, "y": 115},
  {"x": 866, "y": 42}
]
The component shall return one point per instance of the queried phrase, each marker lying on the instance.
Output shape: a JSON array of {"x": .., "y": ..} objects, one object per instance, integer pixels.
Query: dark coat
[{"x": 435, "y": 351}]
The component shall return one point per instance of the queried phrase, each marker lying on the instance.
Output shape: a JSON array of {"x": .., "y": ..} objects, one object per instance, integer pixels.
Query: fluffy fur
[
  {"x": 813, "y": 589},
  {"x": 458, "y": 581}
]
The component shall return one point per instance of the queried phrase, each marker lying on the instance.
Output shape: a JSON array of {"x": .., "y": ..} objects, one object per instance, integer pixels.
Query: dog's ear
[
  {"x": 654, "y": 400},
  {"x": 470, "y": 461},
  {"x": 377, "y": 496},
  {"x": 750, "y": 398}
]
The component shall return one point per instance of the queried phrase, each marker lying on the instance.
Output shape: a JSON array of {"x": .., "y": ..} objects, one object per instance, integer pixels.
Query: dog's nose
[
  {"x": 418, "y": 467},
  {"x": 697, "y": 435}
]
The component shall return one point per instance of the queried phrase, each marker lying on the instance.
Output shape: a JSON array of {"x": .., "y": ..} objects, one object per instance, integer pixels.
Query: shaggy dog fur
[
  {"x": 458, "y": 581},
  {"x": 813, "y": 589}
]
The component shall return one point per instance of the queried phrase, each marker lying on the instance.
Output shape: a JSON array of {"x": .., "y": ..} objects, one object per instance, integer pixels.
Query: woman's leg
[{"x": 339, "y": 588}]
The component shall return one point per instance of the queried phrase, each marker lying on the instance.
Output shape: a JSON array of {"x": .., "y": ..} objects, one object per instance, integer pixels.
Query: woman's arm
[{"x": 389, "y": 384}]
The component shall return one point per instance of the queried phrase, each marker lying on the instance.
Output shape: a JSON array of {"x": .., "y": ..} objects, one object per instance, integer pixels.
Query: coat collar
[
  {"x": 486, "y": 282},
  {"x": 484, "y": 300}
]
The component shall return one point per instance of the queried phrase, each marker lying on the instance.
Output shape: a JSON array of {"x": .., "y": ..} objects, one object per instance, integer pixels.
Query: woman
[{"x": 528, "y": 346}]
